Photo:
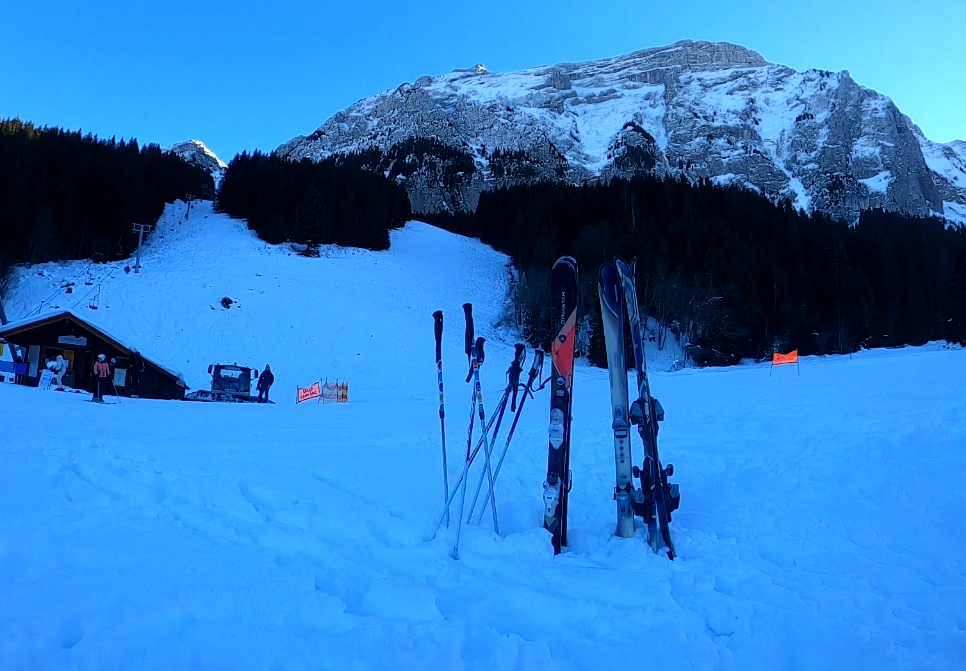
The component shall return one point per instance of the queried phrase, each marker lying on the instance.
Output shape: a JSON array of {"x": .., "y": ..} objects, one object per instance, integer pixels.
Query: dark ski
[
  {"x": 563, "y": 322},
  {"x": 660, "y": 499}
]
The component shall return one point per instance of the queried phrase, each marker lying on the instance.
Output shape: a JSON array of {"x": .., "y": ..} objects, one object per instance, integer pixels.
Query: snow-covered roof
[{"x": 54, "y": 315}]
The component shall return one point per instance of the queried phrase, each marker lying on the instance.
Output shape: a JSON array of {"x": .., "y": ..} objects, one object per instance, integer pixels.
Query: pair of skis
[{"x": 656, "y": 499}]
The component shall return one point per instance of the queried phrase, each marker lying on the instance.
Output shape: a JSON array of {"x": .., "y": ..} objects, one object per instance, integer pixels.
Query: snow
[
  {"x": 590, "y": 118},
  {"x": 955, "y": 212},
  {"x": 947, "y": 160},
  {"x": 285, "y": 306},
  {"x": 880, "y": 182},
  {"x": 820, "y": 525},
  {"x": 731, "y": 179},
  {"x": 802, "y": 201}
]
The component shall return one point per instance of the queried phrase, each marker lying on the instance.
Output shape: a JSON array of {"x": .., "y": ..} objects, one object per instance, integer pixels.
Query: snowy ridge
[
  {"x": 287, "y": 310},
  {"x": 172, "y": 535},
  {"x": 196, "y": 153},
  {"x": 699, "y": 108}
]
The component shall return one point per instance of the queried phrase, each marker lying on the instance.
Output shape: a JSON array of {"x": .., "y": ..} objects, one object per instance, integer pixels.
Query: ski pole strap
[
  {"x": 438, "y": 316},
  {"x": 476, "y": 357},
  {"x": 479, "y": 349}
]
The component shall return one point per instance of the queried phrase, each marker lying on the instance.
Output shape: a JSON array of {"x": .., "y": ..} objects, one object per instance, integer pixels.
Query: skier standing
[
  {"x": 134, "y": 372},
  {"x": 101, "y": 372},
  {"x": 59, "y": 368},
  {"x": 265, "y": 380}
]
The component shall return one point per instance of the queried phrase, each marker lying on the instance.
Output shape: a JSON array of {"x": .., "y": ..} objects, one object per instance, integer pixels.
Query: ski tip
[
  {"x": 566, "y": 260},
  {"x": 454, "y": 555},
  {"x": 608, "y": 271},
  {"x": 438, "y": 315}
]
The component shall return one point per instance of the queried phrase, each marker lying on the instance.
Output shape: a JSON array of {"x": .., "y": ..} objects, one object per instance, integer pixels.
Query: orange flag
[{"x": 779, "y": 359}]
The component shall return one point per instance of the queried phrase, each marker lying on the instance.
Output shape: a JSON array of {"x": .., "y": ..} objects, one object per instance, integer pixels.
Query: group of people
[{"x": 104, "y": 376}]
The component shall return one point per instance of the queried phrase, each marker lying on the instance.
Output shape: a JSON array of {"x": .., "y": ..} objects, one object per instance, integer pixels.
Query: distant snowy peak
[
  {"x": 196, "y": 153},
  {"x": 701, "y": 109}
]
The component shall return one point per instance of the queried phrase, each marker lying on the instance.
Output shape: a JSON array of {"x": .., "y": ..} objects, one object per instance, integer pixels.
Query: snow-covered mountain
[
  {"x": 196, "y": 153},
  {"x": 704, "y": 109}
]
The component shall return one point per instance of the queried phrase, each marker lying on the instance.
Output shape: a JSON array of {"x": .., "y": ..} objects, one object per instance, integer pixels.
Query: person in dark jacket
[
  {"x": 134, "y": 373},
  {"x": 265, "y": 380}
]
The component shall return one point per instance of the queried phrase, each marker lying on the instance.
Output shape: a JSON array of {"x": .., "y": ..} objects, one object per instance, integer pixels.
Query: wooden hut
[{"x": 42, "y": 338}]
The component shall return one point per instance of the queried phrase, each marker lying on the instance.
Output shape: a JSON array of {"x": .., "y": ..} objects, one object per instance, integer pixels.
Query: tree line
[
  {"x": 64, "y": 195},
  {"x": 730, "y": 272},
  {"x": 313, "y": 203}
]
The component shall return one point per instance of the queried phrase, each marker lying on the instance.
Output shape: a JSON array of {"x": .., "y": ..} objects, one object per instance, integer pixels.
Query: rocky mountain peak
[
  {"x": 699, "y": 109},
  {"x": 196, "y": 153}
]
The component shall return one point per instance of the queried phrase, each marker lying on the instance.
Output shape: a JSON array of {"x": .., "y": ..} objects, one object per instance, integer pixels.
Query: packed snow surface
[{"x": 821, "y": 524}]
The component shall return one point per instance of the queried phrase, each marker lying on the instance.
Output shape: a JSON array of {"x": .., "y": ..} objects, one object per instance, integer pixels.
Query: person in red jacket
[{"x": 101, "y": 372}]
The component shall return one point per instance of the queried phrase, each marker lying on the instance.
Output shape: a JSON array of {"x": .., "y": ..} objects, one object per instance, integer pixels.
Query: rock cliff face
[
  {"x": 196, "y": 153},
  {"x": 703, "y": 109}
]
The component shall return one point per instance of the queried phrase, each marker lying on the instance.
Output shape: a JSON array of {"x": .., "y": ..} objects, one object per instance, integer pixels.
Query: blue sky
[{"x": 244, "y": 75}]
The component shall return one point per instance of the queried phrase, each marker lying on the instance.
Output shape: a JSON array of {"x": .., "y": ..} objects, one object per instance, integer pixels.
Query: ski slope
[{"x": 821, "y": 523}]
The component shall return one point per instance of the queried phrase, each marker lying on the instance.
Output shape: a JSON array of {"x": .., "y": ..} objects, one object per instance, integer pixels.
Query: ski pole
[
  {"x": 478, "y": 358},
  {"x": 513, "y": 374},
  {"x": 498, "y": 416},
  {"x": 471, "y": 353},
  {"x": 468, "y": 340},
  {"x": 536, "y": 369},
  {"x": 438, "y": 316}
]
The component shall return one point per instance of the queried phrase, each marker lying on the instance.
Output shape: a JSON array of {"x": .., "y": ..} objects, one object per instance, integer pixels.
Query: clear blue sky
[{"x": 244, "y": 75}]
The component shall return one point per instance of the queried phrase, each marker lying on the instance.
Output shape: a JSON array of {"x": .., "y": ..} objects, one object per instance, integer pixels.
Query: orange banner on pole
[
  {"x": 307, "y": 394},
  {"x": 779, "y": 359}
]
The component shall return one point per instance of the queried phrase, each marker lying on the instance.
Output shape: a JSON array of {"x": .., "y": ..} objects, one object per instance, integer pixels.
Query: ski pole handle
[
  {"x": 519, "y": 356},
  {"x": 438, "y": 316},
  {"x": 476, "y": 357},
  {"x": 470, "y": 331}
]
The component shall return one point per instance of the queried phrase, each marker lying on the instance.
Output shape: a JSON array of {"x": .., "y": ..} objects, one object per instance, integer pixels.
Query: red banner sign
[{"x": 309, "y": 393}]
